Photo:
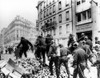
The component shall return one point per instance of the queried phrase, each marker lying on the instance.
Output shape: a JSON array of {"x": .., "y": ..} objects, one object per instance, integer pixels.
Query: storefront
[
  {"x": 84, "y": 28},
  {"x": 87, "y": 33}
]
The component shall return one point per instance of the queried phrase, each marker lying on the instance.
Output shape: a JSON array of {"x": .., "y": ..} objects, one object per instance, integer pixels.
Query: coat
[
  {"x": 64, "y": 53},
  {"x": 24, "y": 44},
  {"x": 80, "y": 56}
]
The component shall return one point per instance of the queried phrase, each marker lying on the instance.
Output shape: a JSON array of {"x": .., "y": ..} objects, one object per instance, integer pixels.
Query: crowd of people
[{"x": 82, "y": 50}]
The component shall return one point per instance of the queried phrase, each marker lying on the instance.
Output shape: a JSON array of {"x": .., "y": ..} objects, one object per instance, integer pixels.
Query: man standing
[
  {"x": 24, "y": 45},
  {"x": 41, "y": 48},
  {"x": 53, "y": 58},
  {"x": 88, "y": 42},
  {"x": 80, "y": 61},
  {"x": 64, "y": 58},
  {"x": 48, "y": 40}
]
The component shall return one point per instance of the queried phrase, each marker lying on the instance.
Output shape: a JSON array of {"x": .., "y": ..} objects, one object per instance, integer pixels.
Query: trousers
[{"x": 56, "y": 62}]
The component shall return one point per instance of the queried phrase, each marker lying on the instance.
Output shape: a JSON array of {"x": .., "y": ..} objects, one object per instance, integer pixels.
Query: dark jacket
[
  {"x": 52, "y": 51},
  {"x": 24, "y": 44},
  {"x": 80, "y": 56}
]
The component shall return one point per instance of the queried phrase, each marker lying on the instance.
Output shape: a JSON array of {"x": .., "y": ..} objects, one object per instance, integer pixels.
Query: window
[
  {"x": 89, "y": 13},
  {"x": 78, "y": 2},
  {"x": 67, "y": 28},
  {"x": 60, "y": 18},
  {"x": 84, "y": 15},
  {"x": 67, "y": 2},
  {"x": 50, "y": 10},
  {"x": 41, "y": 15},
  {"x": 67, "y": 15},
  {"x": 54, "y": 8},
  {"x": 47, "y": 12},
  {"x": 40, "y": 10},
  {"x": 60, "y": 29},
  {"x": 54, "y": 32},
  {"x": 79, "y": 17},
  {"x": 54, "y": 19},
  {"x": 50, "y": 20},
  {"x": 83, "y": 1},
  {"x": 41, "y": 24},
  {"x": 59, "y": 5},
  {"x": 44, "y": 14},
  {"x": 47, "y": 21}
]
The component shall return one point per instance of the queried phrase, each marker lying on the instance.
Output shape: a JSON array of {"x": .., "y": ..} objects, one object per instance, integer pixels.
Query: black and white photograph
[{"x": 49, "y": 38}]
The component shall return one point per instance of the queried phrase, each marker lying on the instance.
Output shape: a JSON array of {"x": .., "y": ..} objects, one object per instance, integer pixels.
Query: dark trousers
[
  {"x": 56, "y": 61},
  {"x": 79, "y": 69},
  {"x": 47, "y": 49},
  {"x": 43, "y": 55},
  {"x": 37, "y": 53},
  {"x": 65, "y": 62},
  {"x": 40, "y": 53},
  {"x": 23, "y": 51}
]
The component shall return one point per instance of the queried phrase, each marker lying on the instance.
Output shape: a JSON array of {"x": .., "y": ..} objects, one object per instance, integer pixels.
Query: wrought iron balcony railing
[{"x": 49, "y": 26}]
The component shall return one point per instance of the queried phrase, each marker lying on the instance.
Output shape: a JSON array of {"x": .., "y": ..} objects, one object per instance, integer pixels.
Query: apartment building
[
  {"x": 18, "y": 28},
  {"x": 87, "y": 18},
  {"x": 56, "y": 17}
]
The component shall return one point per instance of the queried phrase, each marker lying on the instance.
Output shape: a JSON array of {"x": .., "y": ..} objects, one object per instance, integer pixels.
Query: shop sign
[{"x": 84, "y": 27}]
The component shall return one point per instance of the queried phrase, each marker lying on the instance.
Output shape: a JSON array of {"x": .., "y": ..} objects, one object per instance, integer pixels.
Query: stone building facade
[
  {"x": 18, "y": 28},
  {"x": 56, "y": 17}
]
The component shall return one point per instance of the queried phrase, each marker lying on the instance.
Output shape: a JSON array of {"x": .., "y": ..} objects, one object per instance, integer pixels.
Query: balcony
[{"x": 49, "y": 26}]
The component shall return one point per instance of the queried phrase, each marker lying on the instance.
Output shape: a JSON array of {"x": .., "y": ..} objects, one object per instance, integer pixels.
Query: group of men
[
  {"x": 81, "y": 51},
  {"x": 58, "y": 54}
]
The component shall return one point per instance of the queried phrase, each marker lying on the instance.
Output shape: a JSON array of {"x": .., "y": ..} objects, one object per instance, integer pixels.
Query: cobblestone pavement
[{"x": 45, "y": 71}]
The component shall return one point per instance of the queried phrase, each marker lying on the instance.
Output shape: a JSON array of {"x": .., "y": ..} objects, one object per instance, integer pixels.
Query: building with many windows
[
  {"x": 62, "y": 17},
  {"x": 56, "y": 17},
  {"x": 18, "y": 28},
  {"x": 87, "y": 18}
]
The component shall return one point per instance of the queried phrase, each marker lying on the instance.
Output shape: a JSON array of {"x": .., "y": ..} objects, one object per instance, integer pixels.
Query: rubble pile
[{"x": 33, "y": 69}]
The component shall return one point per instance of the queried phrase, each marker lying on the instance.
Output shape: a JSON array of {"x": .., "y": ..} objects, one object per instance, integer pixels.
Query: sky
[{"x": 9, "y": 9}]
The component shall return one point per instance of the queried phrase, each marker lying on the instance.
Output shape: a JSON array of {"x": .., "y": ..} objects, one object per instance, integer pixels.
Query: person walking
[{"x": 24, "y": 45}]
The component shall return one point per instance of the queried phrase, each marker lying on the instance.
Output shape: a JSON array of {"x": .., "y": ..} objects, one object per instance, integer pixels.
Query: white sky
[{"x": 10, "y": 8}]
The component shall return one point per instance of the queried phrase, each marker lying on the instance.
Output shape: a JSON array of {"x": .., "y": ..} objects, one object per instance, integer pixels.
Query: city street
[
  {"x": 53, "y": 29},
  {"x": 91, "y": 74}
]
